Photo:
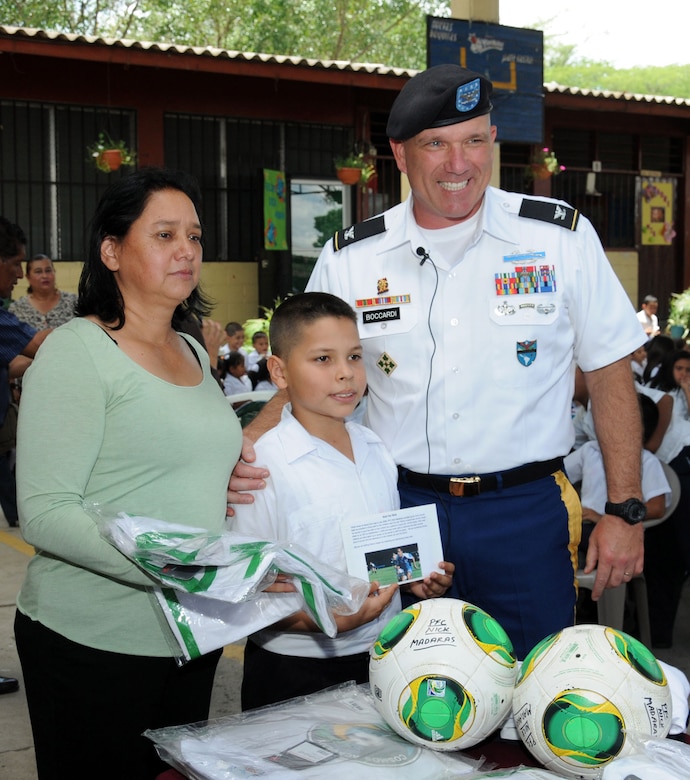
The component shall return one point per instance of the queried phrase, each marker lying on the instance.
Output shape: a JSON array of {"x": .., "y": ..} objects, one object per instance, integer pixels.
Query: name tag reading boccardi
[{"x": 381, "y": 315}]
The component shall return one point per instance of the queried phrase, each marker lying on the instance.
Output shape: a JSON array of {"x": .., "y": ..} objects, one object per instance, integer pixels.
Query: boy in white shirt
[
  {"x": 261, "y": 350},
  {"x": 323, "y": 470}
]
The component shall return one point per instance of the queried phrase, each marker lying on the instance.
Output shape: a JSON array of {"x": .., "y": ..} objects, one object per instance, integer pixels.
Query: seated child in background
[
  {"x": 261, "y": 378},
  {"x": 234, "y": 339},
  {"x": 586, "y": 465},
  {"x": 667, "y": 546},
  {"x": 234, "y": 374},
  {"x": 638, "y": 362},
  {"x": 323, "y": 470},
  {"x": 260, "y": 344}
]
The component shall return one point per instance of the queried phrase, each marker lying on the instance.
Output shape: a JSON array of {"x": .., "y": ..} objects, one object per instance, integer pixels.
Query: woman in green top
[{"x": 119, "y": 408}]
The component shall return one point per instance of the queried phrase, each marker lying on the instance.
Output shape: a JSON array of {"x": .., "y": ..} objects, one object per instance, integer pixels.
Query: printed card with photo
[{"x": 400, "y": 546}]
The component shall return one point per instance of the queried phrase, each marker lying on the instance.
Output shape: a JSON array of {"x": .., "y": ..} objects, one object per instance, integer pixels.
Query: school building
[{"x": 232, "y": 118}]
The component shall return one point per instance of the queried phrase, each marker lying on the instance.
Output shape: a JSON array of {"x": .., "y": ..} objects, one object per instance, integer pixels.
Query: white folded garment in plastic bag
[
  {"x": 336, "y": 733},
  {"x": 212, "y": 584}
]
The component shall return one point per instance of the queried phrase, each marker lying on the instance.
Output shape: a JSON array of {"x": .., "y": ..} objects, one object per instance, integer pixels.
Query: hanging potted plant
[
  {"x": 356, "y": 168},
  {"x": 108, "y": 155},
  {"x": 544, "y": 164},
  {"x": 349, "y": 167}
]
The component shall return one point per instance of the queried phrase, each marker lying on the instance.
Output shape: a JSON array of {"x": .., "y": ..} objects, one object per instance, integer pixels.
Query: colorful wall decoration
[
  {"x": 275, "y": 212},
  {"x": 656, "y": 211}
]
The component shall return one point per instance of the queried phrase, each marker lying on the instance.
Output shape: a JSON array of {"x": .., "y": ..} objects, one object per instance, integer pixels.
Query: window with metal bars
[
  {"x": 48, "y": 184},
  {"x": 608, "y": 198},
  {"x": 228, "y": 156}
]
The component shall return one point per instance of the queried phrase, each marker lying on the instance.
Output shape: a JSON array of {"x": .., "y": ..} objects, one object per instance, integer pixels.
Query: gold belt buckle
[{"x": 464, "y": 486}]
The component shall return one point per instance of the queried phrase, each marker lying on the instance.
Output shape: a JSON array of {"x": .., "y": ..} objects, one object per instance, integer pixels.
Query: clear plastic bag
[
  {"x": 212, "y": 585},
  {"x": 652, "y": 759},
  {"x": 336, "y": 733}
]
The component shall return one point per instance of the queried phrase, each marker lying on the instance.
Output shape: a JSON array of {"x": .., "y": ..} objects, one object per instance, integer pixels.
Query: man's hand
[
  {"x": 245, "y": 477},
  {"x": 616, "y": 550}
]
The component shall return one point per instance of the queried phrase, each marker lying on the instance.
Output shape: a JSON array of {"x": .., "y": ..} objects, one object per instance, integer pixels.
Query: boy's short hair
[
  {"x": 259, "y": 334},
  {"x": 232, "y": 327},
  {"x": 300, "y": 310}
]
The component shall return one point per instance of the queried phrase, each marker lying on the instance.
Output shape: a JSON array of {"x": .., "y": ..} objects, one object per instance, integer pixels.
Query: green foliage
[
  {"x": 564, "y": 65},
  {"x": 679, "y": 309},
  {"x": 107, "y": 18},
  {"x": 327, "y": 224},
  {"x": 669, "y": 80},
  {"x": 391, "y": 32},
  {"x": 259, "y": 324}
]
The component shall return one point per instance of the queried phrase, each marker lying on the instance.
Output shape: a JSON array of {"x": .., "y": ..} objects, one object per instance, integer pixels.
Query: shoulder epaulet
[
  {"x": 366, "y": 229},
  {"x": 549, "y": 211}
]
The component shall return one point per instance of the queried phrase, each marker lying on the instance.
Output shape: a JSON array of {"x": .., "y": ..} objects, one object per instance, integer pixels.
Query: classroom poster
[
  {"x": 275, "y": 212},
  {"x": 656, "y": 211}
]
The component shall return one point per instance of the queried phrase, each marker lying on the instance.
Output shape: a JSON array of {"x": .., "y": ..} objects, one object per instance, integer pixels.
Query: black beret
[{"x": 442, "y": 95}]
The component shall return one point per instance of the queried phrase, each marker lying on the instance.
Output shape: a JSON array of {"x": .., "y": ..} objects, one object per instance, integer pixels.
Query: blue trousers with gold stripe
[{"x": 515, "y": 553}]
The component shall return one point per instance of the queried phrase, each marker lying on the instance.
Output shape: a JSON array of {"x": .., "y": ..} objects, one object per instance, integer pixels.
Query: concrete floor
[{"x": 16, "y": 746}]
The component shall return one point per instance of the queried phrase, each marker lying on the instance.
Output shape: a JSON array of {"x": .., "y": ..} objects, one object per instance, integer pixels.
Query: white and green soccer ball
[
  {"x": 581, "y": 695},
  {"x": 442, "y": 674}
]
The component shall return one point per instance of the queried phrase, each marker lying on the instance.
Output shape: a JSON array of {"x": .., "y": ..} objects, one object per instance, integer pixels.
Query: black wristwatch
[{"x": 633, "y": 511}]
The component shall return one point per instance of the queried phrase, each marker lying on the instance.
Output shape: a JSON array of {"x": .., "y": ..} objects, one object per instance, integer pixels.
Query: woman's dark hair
[
  {"x": 664, "y": 380},
  {"x": 30, "y": 262},
  {"x": 120, "y": 206},
  {"x": 658, "y": 349}
]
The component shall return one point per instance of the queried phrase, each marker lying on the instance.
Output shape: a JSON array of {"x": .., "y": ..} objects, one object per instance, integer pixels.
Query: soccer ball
[
  {"x": 580, "y": 690},
  {"x": 442, "y": 674}
]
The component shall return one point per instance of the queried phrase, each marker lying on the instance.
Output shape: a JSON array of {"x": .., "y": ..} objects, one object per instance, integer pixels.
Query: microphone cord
[{"x": 422, "y": 252}]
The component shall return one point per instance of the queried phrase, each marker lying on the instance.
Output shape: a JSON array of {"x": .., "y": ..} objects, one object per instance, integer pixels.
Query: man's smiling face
[{"x": 449, "y": 169}]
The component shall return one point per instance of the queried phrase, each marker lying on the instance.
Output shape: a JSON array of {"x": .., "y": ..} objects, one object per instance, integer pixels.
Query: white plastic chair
[
  {"x": 249, "y": 404},
  {"x": 251, "y": 395},
  {"x": 611, "y": 604}
]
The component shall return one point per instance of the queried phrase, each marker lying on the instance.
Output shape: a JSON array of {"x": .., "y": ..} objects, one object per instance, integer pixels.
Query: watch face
[
  {"x": 637, "y": 511},
  {"x": 633, "y": 511}
]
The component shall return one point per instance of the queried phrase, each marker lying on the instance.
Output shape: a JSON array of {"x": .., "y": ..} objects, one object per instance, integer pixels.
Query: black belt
[{"x": 474, "y": 484}]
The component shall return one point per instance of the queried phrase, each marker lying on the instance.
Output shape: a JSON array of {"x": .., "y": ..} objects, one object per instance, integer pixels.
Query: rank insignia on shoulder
[
  {"x": 366, "y": 229},
  {"x": 548, "y": 211}
]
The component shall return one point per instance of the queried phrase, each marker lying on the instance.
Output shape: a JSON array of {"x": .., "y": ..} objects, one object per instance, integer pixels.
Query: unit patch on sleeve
[
  {"x": 554, "y": 213},
  {"x": 366, "y": 229}
]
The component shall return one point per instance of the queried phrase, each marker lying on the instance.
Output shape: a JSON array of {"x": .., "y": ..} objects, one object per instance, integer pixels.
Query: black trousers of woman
[{"x": 89, "y": 707}]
